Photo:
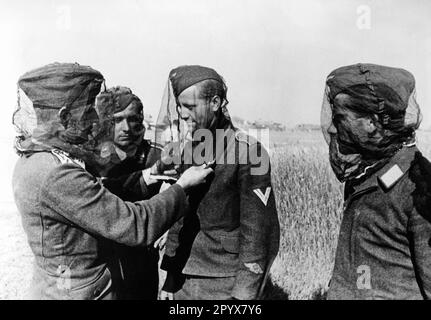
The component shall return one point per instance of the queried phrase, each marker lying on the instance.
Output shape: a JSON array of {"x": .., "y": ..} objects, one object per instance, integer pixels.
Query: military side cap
[
  {"x": 59, "y": 85},
  {"x": 123, "y": 97},
  {"x": 184, "y": 77},
  {"x": 384, "y": 90}
]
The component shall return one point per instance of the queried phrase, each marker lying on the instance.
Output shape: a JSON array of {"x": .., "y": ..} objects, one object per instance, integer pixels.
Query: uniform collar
[
  {"x": 139, "y": 152},
  {"x": 222, "y": 153},
  {"x": 391, "y": 173},
  {"x": 226, "y": 128},
  {"x": 64, "y": 157},
  {"x": 123, "y": 155}
]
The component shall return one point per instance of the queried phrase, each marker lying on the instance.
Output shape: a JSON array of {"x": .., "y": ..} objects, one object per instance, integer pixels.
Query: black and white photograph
[{"x": 217, "y": 150}]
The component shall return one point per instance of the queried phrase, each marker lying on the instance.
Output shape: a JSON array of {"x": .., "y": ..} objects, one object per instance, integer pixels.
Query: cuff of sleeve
[{"x": 181, "y": 194}]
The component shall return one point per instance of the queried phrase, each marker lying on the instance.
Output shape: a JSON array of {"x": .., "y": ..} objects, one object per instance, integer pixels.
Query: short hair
[{"x": 210, "y": 88}]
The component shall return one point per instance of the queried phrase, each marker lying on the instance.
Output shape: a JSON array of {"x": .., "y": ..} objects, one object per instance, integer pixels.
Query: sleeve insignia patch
[
  {"x": 263, "y": 196},
  {"x": 254, "y": 267}
]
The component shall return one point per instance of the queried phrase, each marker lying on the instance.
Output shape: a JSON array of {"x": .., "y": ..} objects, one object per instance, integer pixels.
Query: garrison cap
[
  {"x": 59, "y": 85},
  {"x": 384, "y": 90},
  {"x": 115, "y": 100},
  {"x": 184, "y": 77},
  {"x": 123, "y": 97}
]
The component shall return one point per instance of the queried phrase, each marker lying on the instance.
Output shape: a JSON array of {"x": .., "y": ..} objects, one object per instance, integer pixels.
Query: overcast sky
[{"x": 274, "y": 54}]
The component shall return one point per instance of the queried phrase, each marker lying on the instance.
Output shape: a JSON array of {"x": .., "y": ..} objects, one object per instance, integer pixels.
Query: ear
[
  {"x": 64, "y": 116},
  {"x": 370, "y": 125},
  {"x": 215, "y": 103}
]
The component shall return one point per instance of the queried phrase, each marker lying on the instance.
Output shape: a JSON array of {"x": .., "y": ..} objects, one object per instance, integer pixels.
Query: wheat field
[{"x": 309, "y": 202}]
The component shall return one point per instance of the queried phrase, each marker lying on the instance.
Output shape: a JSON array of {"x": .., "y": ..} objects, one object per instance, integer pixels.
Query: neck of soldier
[
  {"x": 130, "y": 150},
  {"x": 219, "y": 122}
]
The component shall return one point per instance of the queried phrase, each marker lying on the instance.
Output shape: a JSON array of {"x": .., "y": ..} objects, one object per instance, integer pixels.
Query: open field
[{"x": 309, "y": 201}]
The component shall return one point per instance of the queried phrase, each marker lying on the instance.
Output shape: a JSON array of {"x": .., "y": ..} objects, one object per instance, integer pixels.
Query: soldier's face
[
  {"x": 129, "y": 129},
  {"x": 353, "y": 131},
  {"x": 198, "y": 113}
]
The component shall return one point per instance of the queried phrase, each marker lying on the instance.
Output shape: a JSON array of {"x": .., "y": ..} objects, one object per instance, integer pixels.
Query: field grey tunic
[
  {"x": 72, "y": 221},
  {"x": 384, "y": 247}
]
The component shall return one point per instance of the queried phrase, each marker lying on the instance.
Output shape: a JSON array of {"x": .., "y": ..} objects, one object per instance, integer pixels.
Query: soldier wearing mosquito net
[
  {"x": 226, "y": 245},
  {"x": 369, "y": 119},
  {"x": 71, "y": 220}
]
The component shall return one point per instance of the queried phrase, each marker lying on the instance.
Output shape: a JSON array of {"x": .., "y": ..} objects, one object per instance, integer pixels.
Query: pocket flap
[{"x": 230, "y": 241}]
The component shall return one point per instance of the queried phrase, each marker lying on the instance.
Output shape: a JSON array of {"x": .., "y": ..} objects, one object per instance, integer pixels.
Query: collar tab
[{"x": 391, "y": 176}]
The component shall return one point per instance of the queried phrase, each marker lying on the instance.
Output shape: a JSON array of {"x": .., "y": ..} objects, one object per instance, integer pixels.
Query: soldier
[
  {"x": 134, "y": 157},
  {"x": 226, "y": 245},
  {"x": 70, "y": 219},
  {"x": 369, "y": 118}
]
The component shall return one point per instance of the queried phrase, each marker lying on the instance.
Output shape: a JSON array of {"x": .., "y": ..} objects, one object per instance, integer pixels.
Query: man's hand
[
  {"x": 146, "y": 174},
  {"x": 160, "y": 166},
  {"x": 164, "y": 186},
  {"x": 164, "y": 295},
  {"x": 194, "y": 176}
]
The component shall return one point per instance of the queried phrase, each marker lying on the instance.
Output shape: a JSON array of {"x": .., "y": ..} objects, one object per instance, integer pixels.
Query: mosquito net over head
[
  {"x": 368, "y": 113},
  {"x": 172, "y": 131},
  {"x": 56, "y": 111}
]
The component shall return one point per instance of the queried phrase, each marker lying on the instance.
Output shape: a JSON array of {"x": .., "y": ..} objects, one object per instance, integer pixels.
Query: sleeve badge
[
  {"x": 254, "y": 267},
  {"x": 263, "y": 196}
]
